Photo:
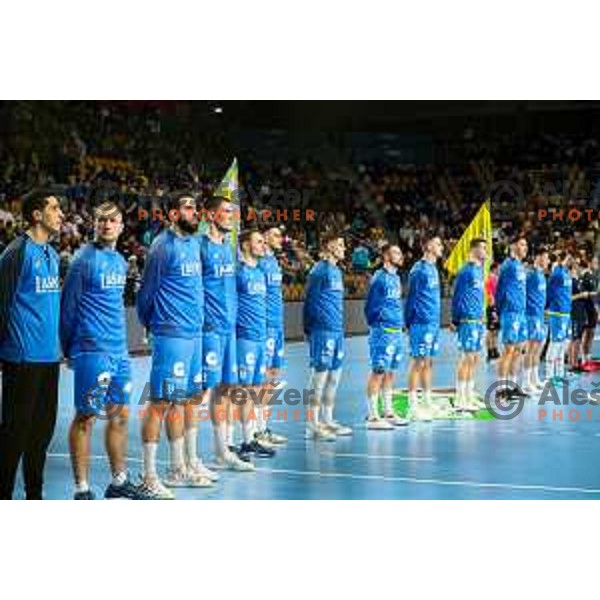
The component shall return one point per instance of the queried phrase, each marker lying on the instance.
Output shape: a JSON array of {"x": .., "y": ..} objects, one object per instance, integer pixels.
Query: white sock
[
  {"x": 328, "y": 413},
  {"x": 248, "y": 431},
  {"x": 470, "y": 388},
  {"x": 82, "y": 486},
  {"x": 527, "y": 377},
  {"x": 260, "y": 418},
  {"x": 412, "y": 399},
  {"x": 177, "y": 453},
  {"x": 387, "y": 401},
  {"x": 374, "y": 406},
  {"x": 229, "y": 433},
  {"x": 427, "y": 397},
  {"x": 560, "y": 361},
  {"x": 119, "y": 479},
  {"x": 191, "y": 441},
  {"x": 461, "y": 389},
  {"x": 220, "y": 439},
  {"x": 150, "y": 449}
]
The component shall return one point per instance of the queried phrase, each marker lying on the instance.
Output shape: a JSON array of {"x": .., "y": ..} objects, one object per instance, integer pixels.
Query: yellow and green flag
[
  {"x": 228, "y": 188},
  {"x": 480, "y": 227}
]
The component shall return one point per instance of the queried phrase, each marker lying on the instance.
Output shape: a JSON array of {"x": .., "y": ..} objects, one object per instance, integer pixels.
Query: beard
[{"x": 187, "y": 226}]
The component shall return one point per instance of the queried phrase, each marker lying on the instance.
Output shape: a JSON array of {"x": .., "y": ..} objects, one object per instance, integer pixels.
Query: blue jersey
[
  {"x": 270, "y": 266},
  {"x": 324, "y": 299},
  {"x": 511, "y": 290},
  {"x": 560, "y": 286},
  {"x": 29, "y": 302},
  {"x": 423, "y": 301},
  {"x": 92, "y": 312},
  {"x": 384, "y": 300},
  {"x": 468, "y": 297},
  {"x": 252, "y": 303},
  {"x": 536, "y": 293},
  {"x": 170, "y": 301},
  {"x": 218, "y": 270}
]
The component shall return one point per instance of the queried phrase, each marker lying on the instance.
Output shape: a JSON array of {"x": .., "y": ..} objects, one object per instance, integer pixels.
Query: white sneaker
[
  {"x": 378, "y": 424},
  {"x": 202, "y": 470},
  {"x": 419, "y": 413},
  {"x": 233, "y": 462},
  {"x": 439, "y": 412},
  {"x": 338, "y": 428},
  {"x": 185, "y": 478},
  {"x": 530, "y": 389},
  {"x": 153, "y": 489},
  {"x": 396, "y": 420},
  {"x": 319, "y": 433}
]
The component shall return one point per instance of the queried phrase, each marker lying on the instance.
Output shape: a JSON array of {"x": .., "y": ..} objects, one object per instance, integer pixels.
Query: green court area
[{"x": 443, "y": 396}]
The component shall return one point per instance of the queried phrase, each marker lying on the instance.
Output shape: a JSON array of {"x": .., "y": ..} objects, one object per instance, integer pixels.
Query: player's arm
[
  {"x": 374, "y": 301},
  {"x": 150, "y": 283},
  {"x": 456, "y": 298},
  {"x": 70, "y": 299},
  {"x": 313, "y": 285},
  {"x": 11, "y": 265},
  {"x": 501, "y": 288},
  {"x": 415, "y": 280}
]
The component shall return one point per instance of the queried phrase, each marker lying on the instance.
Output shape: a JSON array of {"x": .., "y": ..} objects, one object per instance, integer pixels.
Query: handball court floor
[{"x": 523, "y": 458}]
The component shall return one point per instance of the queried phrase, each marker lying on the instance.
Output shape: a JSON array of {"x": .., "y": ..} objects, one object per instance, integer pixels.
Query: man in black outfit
[{"x": 29, "y": 345}]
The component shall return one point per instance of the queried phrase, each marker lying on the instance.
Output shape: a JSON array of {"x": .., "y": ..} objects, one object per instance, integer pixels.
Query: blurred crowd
[{"x": 141, "y": 151}]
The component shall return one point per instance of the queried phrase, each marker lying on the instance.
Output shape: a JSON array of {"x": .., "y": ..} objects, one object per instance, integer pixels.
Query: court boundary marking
[{"x": 397, "y": 479}]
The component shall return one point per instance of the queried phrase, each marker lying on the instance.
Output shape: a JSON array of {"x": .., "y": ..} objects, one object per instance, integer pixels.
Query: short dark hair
[
  {"x": 214, "y": 202},
  {"x": 475, "y": 242},
  {"x": 426, "y": 237},
  {"x": 517, "y": 237},
  {"x": 245, "y": 235},
  {"x": 542, "y": 249},
  {"x": 329, "y": 236},
  {"x": 174, "y": 198},
  {"x": 37, "y": 199}
]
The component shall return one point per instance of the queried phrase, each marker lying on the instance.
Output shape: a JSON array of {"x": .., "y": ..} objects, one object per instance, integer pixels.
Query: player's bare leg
[{"x": 80, "y": 435}]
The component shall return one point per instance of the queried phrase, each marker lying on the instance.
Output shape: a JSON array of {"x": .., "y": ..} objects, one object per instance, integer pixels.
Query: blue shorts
[
  {"x": 275, "y": 348},
  {"x": 219, "y": 362},
  {"x": 326, "y": 350},
  {"x": 559, "y": 327},
  {"x": 385, "y": 349},
  {"x": 252, "y": 362},
  {"x": 424, "y": 340},
  {"x": 513, "y": 327},
  {"x": 536, "y": 329},
  {"x": 100, "y": 379},
  {"x": 176, "y": 372},
  {"x": 470, "y": 337}
]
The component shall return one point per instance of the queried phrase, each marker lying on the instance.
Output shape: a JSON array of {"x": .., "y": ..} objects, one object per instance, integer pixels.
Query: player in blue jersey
[
  {"x": 29, "y": 345},
  {"x": 536, "y": 328},
  {"x": 170, "y": 305},
  {"x": 219, "y": 363},
  {"x": 324, "y": 327},
  {"x": 511, "y": 302},
  {"x": 559, "y": 304},
  {"x": 385, "y": 316},
  {"x": 422, "y": 316},
  {"x": 94, "y": 341},
  {"x": 468, "y": 308},
  {"x": 275, "y": 331},
  {"x": 251, "y": 334}
]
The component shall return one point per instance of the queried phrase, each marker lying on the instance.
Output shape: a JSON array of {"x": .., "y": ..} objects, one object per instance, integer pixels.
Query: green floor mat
[{"x": 400, "y": 402}]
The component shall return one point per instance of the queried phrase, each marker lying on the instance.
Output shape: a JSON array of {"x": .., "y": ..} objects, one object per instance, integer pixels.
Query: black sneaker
[
  {"x": 245, "y": 456},
  {"x": 126, "y": 490},
  {"x": 517, "y": 393},
  {"x": 87, "y": 495},
  {"x": 255, "y": 447}
]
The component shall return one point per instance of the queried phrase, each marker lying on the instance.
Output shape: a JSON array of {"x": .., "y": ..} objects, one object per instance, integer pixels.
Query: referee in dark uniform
[{"x": 29, "y": 345}]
